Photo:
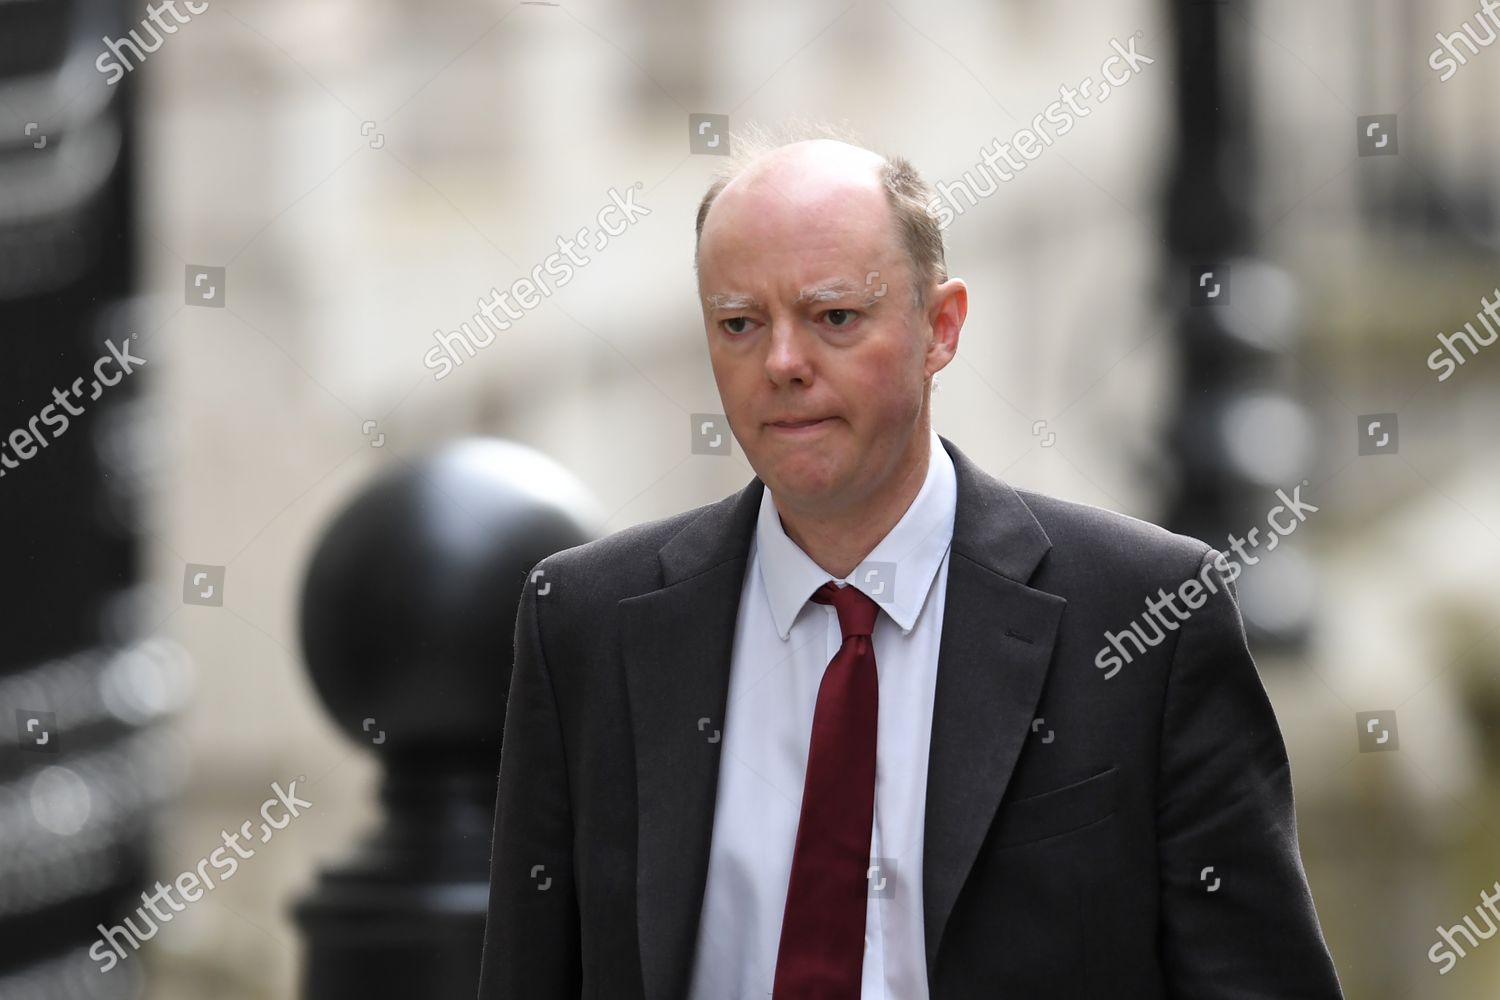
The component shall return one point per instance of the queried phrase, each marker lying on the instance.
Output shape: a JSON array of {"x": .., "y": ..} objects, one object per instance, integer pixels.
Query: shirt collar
[{"x": 916, "y": 546}]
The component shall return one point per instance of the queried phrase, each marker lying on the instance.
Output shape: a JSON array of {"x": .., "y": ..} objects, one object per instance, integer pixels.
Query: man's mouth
[{"x": 797, "y": 425}]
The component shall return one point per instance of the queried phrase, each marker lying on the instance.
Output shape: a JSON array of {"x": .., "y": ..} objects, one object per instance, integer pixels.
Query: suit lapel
[
  {"x": 996, "y": 644},
  {"x": 677, "y": 643}
]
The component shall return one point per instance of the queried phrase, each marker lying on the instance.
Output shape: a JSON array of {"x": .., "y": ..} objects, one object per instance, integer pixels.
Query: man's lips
[{"x": 795, "y": 425}]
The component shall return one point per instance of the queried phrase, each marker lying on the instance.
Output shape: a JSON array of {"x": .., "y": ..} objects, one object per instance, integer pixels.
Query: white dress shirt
[{"x": 782, "y": 644}]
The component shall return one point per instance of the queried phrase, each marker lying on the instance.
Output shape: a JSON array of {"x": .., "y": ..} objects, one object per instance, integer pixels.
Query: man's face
[{"x": 807, "y": 308}]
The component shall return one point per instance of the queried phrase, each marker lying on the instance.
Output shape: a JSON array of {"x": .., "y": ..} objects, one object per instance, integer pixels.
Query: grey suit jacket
[{"x": 1062, "y": 859}]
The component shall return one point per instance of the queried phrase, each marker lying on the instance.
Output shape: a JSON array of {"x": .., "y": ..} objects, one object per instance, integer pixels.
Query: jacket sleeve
[
  {"x": 1246, "y": 928},
  {"x": 531, "y": 935}
]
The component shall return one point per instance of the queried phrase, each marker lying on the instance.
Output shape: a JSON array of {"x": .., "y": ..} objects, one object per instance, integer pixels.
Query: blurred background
[{"x": 1229, "y": 276}]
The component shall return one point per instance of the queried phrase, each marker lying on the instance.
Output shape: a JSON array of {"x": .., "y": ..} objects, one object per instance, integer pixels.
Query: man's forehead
[
  {"x": 817, "y": 265},
  {"x": 787, "y": 202},
  {"x": 837, "y": 237}
]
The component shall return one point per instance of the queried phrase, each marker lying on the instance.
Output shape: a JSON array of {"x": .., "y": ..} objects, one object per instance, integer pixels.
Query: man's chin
[{"x": 806, "y": 485}]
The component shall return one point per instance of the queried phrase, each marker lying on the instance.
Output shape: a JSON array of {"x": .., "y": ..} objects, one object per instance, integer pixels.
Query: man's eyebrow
[
  {"x": 828, "y": 291},
  {"x": 825, "y": 291},
  {"x": 733, "y": 300}
]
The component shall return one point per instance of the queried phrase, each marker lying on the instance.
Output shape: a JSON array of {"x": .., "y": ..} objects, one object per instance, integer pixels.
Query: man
[{"x": 843, "y": 733}]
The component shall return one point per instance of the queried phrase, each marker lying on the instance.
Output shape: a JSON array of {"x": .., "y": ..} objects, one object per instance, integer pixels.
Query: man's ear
[{"x": 948, "y": 307}]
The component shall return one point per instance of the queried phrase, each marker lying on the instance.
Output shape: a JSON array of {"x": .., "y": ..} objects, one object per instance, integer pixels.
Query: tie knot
[{"x": 857, "y": 612}]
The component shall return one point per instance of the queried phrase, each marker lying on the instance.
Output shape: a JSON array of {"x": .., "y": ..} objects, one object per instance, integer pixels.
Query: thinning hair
[{"x": 906, "y": 191}]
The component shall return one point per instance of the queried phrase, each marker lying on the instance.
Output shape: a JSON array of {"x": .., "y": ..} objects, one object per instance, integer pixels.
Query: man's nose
[{"x": 787, "y": 356}]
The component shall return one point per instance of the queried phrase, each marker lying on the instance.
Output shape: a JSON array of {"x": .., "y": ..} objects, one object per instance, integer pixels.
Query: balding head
[
  {"x": 812, "y": 163},
  {"x": 810, "y": 170}
]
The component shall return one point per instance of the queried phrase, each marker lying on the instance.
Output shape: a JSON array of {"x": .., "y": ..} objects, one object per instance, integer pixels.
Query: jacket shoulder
[
  {"x": 624, "y": 562},
  {"x": 1108, "y": 542}
]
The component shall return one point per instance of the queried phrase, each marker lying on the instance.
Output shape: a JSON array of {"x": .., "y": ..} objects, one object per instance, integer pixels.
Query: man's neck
[{"x": 840, "y": 541}]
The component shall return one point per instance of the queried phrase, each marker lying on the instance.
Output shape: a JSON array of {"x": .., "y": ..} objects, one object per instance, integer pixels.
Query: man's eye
[
  {"x": 734, "y": 319},
  {"x": 835, "y": 315}
]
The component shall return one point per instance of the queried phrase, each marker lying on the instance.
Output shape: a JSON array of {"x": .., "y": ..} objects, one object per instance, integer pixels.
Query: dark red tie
[{"x": 823, "y": 929}]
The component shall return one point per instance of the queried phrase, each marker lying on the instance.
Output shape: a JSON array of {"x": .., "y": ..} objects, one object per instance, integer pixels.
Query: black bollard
[{"x": 408, "y": 621}]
